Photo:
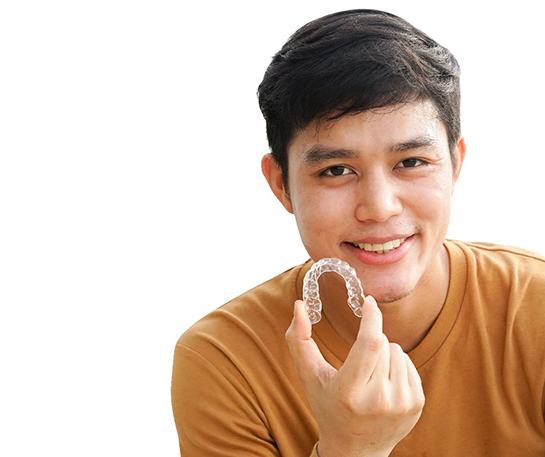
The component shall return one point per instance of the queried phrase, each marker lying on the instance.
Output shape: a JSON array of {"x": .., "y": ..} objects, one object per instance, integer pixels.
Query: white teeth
[
  {"x": 380, "y": 248},
  {"x": 389, "y": 245}
]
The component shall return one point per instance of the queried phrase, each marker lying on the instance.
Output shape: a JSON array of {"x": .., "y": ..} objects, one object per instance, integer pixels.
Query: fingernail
[
  {"x": 372, "y": 300},
  {"x": 301, "y": 310},
  {"x": 297, "y": 306}
]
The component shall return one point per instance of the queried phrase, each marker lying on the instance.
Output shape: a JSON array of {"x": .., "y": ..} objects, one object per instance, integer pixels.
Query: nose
[{"x": 379, "y": 199}]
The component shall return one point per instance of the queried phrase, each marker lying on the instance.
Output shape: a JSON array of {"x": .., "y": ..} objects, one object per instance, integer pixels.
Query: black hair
[{"x": 350, "y": 62}]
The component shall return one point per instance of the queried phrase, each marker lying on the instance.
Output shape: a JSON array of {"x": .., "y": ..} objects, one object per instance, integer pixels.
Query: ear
[
  {"x": 273, "y": 174},
  {"x": 459, "y": 156}
]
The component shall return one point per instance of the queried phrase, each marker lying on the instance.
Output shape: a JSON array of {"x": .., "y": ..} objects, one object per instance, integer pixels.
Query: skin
[{"x": 394, "y": 177}]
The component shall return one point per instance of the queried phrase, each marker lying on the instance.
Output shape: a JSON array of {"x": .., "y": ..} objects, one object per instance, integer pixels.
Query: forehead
[{"x": 377, "y": 130}]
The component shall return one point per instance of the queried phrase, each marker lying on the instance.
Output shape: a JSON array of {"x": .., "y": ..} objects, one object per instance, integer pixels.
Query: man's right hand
[{"x": 373, "y": 401}]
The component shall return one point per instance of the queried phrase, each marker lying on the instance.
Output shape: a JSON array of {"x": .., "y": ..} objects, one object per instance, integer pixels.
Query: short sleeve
[{"x": 215, "y": 411}]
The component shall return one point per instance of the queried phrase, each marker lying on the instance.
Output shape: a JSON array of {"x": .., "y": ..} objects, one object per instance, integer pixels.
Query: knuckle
[
  {"x": 381, "y": 403},
  {"x": 414, "y": 410},
  {"x": 420, "y": 401},
  {"x": 416, "y": 404},
  {"x": 403, "y": 408},
  {"x": 350, "y": 401},
  {"x": 324, "y": 376},
  {"x": 373, "y": 343},
  {"x": 404, "y": 403},
  {"x": 396, "y": 348}
]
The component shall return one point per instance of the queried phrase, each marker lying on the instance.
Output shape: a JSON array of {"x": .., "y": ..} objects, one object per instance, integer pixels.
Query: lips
[
  {"x": 380, "y": 248},
  {"x": 381, "y": 253}
]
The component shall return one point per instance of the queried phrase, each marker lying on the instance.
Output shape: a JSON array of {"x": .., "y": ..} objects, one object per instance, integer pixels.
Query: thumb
[{"x": 306, "y": 355}]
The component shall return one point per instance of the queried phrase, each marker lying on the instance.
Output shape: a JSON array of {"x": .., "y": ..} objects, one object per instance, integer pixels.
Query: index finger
[{"x": 366, "y": 350}]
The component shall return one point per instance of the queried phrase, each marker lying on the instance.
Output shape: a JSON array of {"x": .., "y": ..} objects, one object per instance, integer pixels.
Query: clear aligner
[{"x": 311, "y": 291}]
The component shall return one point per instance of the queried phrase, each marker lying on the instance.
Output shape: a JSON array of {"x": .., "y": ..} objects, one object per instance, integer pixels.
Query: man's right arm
[{"x": 215, "y": 412}]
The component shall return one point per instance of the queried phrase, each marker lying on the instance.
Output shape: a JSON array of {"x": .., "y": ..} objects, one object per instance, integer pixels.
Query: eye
[
  {"x": 337, "y": 170},
  {"x": 413, "y": 162}
]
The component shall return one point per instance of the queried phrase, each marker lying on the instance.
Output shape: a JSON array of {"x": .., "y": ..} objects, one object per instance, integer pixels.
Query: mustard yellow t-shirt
[{"x": 235, "y": 391}]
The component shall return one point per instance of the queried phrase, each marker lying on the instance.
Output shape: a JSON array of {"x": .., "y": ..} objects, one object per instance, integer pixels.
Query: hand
[{"x": 368, "y": 405}]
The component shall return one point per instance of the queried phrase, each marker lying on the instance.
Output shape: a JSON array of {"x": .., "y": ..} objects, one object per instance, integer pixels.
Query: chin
[
  {"x": 390, "y": 286},
  {"x": 389, "y": 295}
]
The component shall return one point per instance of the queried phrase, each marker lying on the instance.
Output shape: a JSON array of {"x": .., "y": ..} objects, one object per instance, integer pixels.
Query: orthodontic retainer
[{"x": 311, "y": 291}]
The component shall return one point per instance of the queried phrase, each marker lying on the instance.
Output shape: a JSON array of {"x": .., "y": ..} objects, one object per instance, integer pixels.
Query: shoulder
[
  {"x": 255, "y": 320},
  {"x": 232, "y": 373},
  {"x": 233, "y": 353},
  {"x": 507, "y": 284},
  {"x": 496, "y": 261}
]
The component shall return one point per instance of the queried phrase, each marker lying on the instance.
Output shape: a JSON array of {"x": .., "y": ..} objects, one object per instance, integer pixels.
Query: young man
[{"x": 362, "y": 114}]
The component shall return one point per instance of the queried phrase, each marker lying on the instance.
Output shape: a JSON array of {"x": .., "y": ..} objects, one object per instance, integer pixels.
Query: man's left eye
[
  {"x": 411, "y": 163},
  {"x": 337, "y": 170}
]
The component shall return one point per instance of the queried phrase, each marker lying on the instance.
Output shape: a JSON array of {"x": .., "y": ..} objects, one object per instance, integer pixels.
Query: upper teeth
[{"x": 377, "y": 247}]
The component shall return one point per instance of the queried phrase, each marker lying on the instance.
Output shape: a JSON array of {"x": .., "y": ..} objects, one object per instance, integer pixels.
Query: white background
[{"x": 132, "y": 202}]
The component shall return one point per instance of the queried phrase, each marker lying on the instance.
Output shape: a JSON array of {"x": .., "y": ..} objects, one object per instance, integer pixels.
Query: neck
[{"x": 405, "y": 321}]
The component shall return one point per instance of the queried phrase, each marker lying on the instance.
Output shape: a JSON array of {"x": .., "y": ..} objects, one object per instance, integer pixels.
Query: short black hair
[{"x": 350, "y": 62}]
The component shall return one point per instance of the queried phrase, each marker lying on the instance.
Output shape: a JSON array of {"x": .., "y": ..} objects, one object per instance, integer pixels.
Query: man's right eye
[{"x": 337, "y": 170}]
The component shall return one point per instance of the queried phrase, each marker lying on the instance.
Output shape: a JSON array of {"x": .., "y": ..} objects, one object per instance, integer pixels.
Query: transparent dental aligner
[{"x": 311, "y": 291}]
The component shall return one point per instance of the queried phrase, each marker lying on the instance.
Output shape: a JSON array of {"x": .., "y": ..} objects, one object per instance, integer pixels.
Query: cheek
[
  {"x": 320, "y": 215},
  {"x": 433, "y": 201}
]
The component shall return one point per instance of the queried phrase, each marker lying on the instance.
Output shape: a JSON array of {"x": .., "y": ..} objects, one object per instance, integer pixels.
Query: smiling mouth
[{"x": 379, "y": 248}]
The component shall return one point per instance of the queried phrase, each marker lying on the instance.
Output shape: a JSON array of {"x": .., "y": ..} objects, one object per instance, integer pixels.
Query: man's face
[{"x": 374, "y": 189}]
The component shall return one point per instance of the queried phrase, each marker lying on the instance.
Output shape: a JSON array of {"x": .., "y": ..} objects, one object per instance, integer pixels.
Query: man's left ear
[{"x": 459, "y": 156}]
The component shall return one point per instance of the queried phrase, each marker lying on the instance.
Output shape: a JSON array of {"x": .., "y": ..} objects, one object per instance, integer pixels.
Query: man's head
[
  {"x": 351, "y": 62},
  {"x": 362, "y": 116}
]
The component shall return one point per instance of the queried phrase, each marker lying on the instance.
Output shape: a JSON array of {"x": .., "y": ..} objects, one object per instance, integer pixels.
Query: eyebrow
[
  {"x": 319, "y": 153},
  {"x": 418, "y": 142}
]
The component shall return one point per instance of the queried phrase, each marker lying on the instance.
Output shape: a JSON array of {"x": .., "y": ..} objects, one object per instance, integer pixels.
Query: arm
[{"x": 215, "y": 411}]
